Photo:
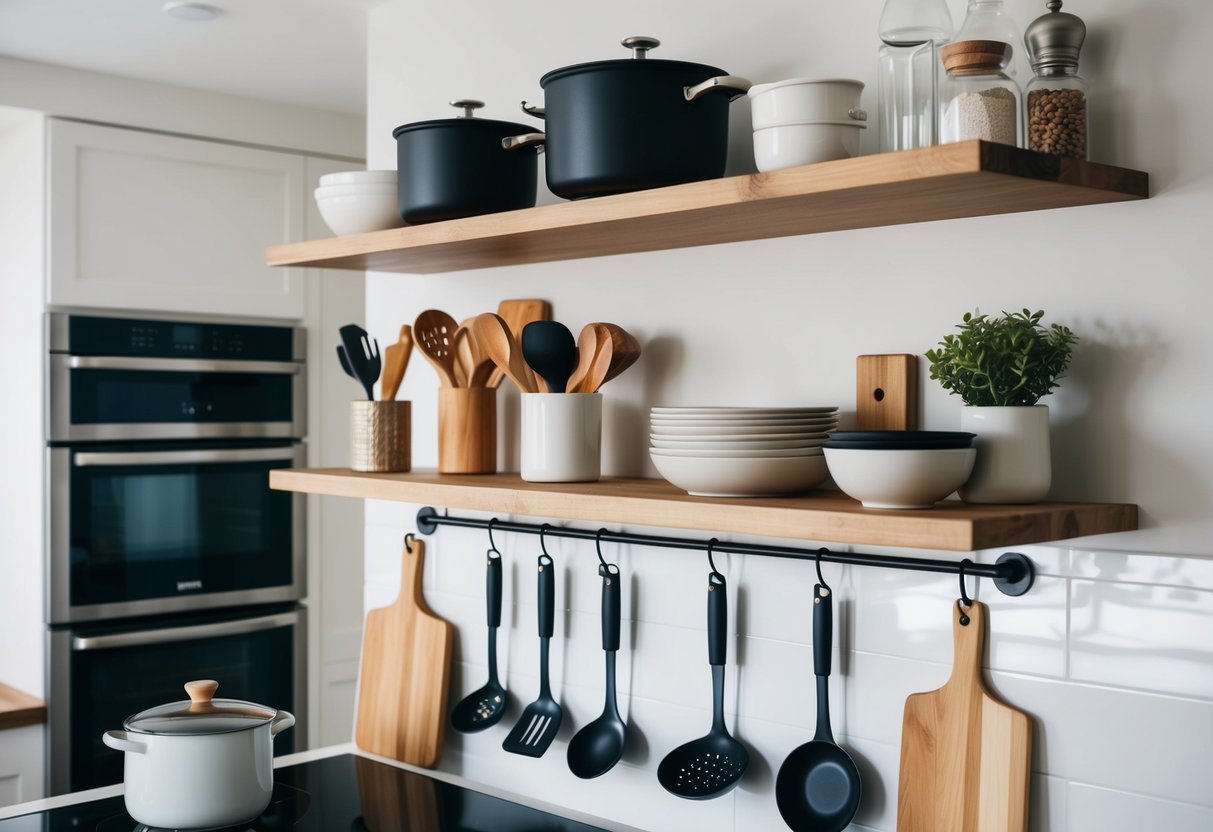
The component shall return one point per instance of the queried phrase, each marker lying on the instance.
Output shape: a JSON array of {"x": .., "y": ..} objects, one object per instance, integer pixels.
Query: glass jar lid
[
  {"x": 202, "y": 714},
  {"x": 975, "y": 57}
]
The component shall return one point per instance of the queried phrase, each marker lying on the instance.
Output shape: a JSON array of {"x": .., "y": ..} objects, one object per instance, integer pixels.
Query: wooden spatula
[
  {"x": 517, "y": 314},
  {"x": 402, "y": 681},
  {"x": 494, "y": 337},
  {"x": 395, "y": 362},
  {"x": 965, "y": 756}
]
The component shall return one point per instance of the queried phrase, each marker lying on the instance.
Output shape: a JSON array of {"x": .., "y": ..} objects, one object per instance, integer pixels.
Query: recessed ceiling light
[{"x": 188, "y": 10}]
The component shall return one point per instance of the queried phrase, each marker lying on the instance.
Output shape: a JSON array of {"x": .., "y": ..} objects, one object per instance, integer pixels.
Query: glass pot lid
[{"x": 202, "y": 714}]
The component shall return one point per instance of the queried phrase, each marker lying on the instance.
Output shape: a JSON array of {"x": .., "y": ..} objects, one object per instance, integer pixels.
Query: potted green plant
[{"x": 1001, "y": 367}]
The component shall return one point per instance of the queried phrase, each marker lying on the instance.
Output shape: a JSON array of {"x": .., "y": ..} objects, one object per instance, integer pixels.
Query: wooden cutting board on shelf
[
  {"x": 965, "y": 756},
  {"x": 402, "y": 680}
]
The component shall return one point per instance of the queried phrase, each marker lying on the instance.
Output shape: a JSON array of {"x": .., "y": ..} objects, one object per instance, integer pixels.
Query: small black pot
[
  {"x": 627, "y": 125},
  {"x": 458, "y": 167}
]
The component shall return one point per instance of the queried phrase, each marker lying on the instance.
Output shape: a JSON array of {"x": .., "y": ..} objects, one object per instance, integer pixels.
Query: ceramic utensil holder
[
  {"x": 561, "y": 437},
  {"x": 380, "y": 436},
  {"x": 467, "y": 430}
]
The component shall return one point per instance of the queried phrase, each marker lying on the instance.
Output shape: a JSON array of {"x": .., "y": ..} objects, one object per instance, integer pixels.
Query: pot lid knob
[
  {"x": 640, "y": 45},
  {"x": 201, "y": 692},
  {"x": 468, "y": 105}
]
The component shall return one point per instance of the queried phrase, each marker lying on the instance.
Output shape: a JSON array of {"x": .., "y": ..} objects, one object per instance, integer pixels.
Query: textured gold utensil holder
[
  {"x": 467, "y": 430},
  {"x": 380, "y": 436}
]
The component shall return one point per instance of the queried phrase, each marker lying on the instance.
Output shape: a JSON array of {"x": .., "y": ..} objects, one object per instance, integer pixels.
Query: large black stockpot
[
  {"x": 631, "y": 124},
  {"x": 459, "y": 167}
]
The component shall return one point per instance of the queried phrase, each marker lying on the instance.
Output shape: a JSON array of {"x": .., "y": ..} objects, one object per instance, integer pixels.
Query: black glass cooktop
[{"x": 338, "y": 794}]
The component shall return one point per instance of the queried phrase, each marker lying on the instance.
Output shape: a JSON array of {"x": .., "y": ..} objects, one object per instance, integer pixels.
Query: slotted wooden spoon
[{"x": 435, "y": 334}]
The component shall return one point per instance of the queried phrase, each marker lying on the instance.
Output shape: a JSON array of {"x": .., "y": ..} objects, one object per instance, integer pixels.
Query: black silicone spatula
[
  {"x": 362, "y": 356},
  {"x": 537, "y": 726},
  {"x": 549, "y": 350}
]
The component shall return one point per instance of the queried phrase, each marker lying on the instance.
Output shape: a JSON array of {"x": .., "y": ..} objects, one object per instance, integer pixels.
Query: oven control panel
[{"x": 177, "y": 339}]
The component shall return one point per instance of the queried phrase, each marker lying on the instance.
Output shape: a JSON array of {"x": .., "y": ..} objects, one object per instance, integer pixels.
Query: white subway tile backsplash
[
  {"x": 1047, "y": 804},
  {"x": 1094, "y": 809},
  {"x": 1143, "y": 568},
  {"x": 1157, "y": 638}
]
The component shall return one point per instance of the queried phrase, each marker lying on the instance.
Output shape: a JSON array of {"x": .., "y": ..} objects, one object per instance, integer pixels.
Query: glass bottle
[
  {"x": 908, "y": 71},
  {"x": 1056, "y": 117},
  {"x": 978, "y": 100},
  {"x": 988, "y": 20}
]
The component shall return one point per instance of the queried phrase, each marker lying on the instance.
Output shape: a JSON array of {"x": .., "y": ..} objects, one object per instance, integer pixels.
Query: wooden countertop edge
[{"x": 19, "y": 709}]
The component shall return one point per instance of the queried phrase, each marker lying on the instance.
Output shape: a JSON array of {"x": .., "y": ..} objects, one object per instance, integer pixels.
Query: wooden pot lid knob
[{"x": 201, "y": 692}]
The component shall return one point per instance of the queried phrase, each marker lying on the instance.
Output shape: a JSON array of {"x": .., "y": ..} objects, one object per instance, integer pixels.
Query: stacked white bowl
[
  {"x": 357, "y": 201},
  {"x": 802, "y": 121},
  {"x": 741, "y": 451}
]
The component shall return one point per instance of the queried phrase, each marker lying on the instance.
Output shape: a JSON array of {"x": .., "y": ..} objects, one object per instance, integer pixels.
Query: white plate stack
[{"x": 741, "y": 451}]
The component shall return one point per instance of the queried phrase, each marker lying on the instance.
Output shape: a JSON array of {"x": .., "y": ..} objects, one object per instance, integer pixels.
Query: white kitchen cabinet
[
  {"x": 145, "y": 221},
  {"x": 21, "y": 761}
]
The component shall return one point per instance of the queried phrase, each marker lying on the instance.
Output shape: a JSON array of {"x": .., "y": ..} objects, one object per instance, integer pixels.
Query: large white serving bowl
[
  {"x": 900, "y": 479},
  {"x": 735, "y": 444},
  {"x": 798, "y": 100},
  {"x": 354, "y": 190},
  {"x": 360, "y": 213},
  {"x": 741, "y": 412},
  {"x": 742, "y": 476},
  {"x": 737, "y": 453},
  {"x": 359, "y": 177},
  {"x": 742, "y": 431},
  {"x": 792, "y": 145}
]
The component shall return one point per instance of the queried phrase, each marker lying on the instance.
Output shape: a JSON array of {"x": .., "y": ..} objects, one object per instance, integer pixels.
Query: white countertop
[{"x": 334, "y": 751}]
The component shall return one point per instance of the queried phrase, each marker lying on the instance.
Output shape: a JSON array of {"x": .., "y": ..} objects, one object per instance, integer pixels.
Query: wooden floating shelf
[
  {"x": 968, "y": 179},
  {"x": 18, "y": 709},
  {"x": 826, "y": 516}
]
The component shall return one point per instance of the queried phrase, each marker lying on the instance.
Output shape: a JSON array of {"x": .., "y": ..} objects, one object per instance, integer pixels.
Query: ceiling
[{"x": 310, "y": 53}]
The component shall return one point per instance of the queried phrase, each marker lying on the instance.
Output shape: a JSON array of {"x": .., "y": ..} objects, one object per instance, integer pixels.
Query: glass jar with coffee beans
[{"x": 1056, "y": 101}]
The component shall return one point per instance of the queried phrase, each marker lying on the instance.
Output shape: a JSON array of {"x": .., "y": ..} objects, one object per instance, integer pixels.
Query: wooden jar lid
[{"x": 972, "y": 55}]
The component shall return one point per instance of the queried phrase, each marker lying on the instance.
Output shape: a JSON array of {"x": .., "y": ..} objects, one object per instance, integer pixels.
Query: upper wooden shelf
[
  {"x": 826, "y": 516},
  {"x": 969, "y": 179}
]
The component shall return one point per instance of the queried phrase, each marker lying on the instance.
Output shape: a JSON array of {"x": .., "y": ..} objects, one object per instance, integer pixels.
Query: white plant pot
[{"x": 1014, "y": 459}]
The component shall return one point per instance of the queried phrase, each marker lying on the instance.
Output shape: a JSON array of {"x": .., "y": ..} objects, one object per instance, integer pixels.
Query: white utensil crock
[
  {"x": 221, "y": 776},
  {"x": 1014, "y": 462},
  {"x": 561, "y": 437}
]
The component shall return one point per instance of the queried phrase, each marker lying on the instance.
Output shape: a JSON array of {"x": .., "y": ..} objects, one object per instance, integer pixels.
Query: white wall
[{"x": 1110, "y": 652}]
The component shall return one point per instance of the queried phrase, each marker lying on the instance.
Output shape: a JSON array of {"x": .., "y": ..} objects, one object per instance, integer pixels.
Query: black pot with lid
[
  {"x": 459, "y": 167},
  {"x": 626, "y": 125}
]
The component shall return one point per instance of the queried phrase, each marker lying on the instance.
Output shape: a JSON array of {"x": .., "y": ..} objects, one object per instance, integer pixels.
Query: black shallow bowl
[
  {"x": 928, "y": 445},
  {"x": 903, "y": 436}
]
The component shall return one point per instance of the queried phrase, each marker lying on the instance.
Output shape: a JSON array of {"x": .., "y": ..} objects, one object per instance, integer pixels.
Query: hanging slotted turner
[{"x": 537, "y": 726}]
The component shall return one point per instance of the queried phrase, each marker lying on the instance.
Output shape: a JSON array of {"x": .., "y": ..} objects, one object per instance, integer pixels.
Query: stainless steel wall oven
[{"x": 169, "y": 558}]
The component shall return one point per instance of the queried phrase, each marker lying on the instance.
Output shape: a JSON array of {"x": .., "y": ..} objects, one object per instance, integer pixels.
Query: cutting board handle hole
[{"x": 878, "y": 394}]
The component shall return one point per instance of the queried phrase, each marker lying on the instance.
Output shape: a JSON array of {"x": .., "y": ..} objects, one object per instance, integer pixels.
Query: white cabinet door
[
  {"x": 145, "y": 221},
  {"x": 21, "y": 762}
]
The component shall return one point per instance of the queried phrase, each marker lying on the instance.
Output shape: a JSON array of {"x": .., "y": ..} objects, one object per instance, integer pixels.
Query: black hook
[
  {"x": 965, "y": 600},
  {"x": 817, "y": 561},
  {"x": 598, "y": 545},
  {"x": 492, "y": 543},
  {"x": 711, "y": 561},
  {"x": 408, "y": 541},
  {"x": 543, "y": 546}
]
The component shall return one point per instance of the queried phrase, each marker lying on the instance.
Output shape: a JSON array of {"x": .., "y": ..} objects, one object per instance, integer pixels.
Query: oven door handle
[
  {"x": 197, "y": 631},
  {"x": 87, "y": 459},
  {"x": 181, "y": 365}
]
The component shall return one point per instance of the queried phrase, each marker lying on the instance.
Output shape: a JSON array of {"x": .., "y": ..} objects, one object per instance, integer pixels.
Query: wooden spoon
[
  {"x": 625, "y": 351},
  {"x": 481, "y": 366},
  {"x": 517, "y": 314},
  {"x": 587, "y": 347},
  {"x": 435, "y": 334},
  {"x": 494, "y": 337},
  {"x": 465, "y": 357},
  {"x": 599, "y": 367},
  {"x": 396, "y": 361}
]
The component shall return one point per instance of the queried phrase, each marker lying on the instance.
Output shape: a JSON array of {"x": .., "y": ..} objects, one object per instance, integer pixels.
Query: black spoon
[
  {"x": 818, "y": 786},
  {"x": 362, "y": 355},
  {"x": 484, "y": 708},
  {"x": 551, "y": 351},
  {"x": 537, "y": 726},
  {"x": 713, "y": 764},
  {"x": 596, "y": 748}
]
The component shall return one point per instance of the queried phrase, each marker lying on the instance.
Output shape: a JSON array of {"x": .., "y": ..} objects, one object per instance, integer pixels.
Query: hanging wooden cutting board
[
  {"x": 402, "y": 680},
  {"x": 965, "y": 756}
]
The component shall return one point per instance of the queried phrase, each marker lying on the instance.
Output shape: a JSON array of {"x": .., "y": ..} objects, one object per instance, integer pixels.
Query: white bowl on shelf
[
  {"x": 742, "y": 476},
  {"x": 359, "y": 177},
  {"x": 798, "y": 100},
  {"x": 766, "y": 431},
  {"x": 736, "y": 444},
  {"x": 359, "y": 213},
  {"x": 325, "y": 191},
  {"x": 736, "y": 454},
  {"x": 899, "y": 479},
  {"x": 702, "y": 421},
  {"x": 792, "y": 145},
  {"x": 742, "y": 412}
]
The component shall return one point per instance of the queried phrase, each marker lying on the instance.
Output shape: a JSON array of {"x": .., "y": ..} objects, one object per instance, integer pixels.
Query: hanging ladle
[
  {"x": 484, "y": 708},
  {"x": 818, "y": 786},
  {"x": 596, "y": 748}
]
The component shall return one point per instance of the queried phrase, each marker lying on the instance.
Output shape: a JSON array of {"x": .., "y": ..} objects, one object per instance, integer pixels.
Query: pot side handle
[
  {"x": 281, "y": 722},
  {"x": 120, "y": 741},
  {"x": 525, "y": 140},
  {"x": 535, "y": 110},
  {"x": 735, "y": 86}
]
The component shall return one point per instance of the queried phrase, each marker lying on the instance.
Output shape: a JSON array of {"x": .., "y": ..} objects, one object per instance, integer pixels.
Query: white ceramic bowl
[
  {"x": 354, "y": 190},
  {"x": 359, "y": 213},
  {"x": 693, "y": 444},
  {"x": 765, "y": 431},
  {"x": 900, "y": 479},
  {"x": 742, "y": 412},
  {"x": 798, "y": 100},
  {"x": 742, "y": 476},
  {"x": 792, "y": 145},
  {"x": 736, "y": 453},
  {"x": 359, "y": 177}
]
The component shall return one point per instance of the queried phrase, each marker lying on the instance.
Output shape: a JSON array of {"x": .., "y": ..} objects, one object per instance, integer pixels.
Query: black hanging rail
[{"x": 1013, "y": 573}]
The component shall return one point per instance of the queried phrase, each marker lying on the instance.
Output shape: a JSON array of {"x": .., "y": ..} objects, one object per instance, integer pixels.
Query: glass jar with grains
[
  {"x": 1057, "y": 97},
  {"x": 978, "y": 100}
]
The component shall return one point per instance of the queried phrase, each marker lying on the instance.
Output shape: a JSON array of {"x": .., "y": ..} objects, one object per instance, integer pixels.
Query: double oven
[{"x": 169, "y": 557}]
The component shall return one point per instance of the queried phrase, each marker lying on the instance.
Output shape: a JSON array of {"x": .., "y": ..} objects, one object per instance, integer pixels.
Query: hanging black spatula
[
  {"x": 537, "y": 726},
  {"x": 361, "y": 356},
  {"x": 483, "y": 708}
]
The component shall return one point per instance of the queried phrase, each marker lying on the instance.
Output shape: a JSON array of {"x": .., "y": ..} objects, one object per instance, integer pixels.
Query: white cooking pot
[
  {"x": 199, "y": 764},
  {"x": 804, "y": 100}
]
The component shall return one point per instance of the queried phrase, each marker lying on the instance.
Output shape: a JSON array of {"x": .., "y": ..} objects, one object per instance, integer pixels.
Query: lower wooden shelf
[
  {"x": 825, "y": 516},
  {"x": 18, "y": 709}
]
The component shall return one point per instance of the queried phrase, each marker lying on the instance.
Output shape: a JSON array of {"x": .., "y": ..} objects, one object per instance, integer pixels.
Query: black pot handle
[
  {"x": 534, "y": 140},
  {"x": 733, "y": 85},
  {"x": 534, "y": 110}
]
